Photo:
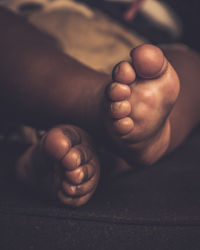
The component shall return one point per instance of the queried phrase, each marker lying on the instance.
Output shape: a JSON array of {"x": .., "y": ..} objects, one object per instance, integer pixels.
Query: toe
[
  {"x": 118, "y": 92},
  {"x": 79, "y": 190},
  {"x": 72, "y": 159},
  {"x": 78, "y": 155},
  {"x": 56, "y": 143},
  {"x": 74, "y": 202},
  {"x": 120, "y": 110},
  {"x": 148, "y": 61},
  {"x": 71, "y": 132},
  {"x": 123, "y": 126},
  {"x": 124, "y": 73},
  {"x": 81, "y": 174}
]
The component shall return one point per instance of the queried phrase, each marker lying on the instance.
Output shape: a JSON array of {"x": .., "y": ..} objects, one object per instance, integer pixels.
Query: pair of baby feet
[{"x": 139, "y": 101}]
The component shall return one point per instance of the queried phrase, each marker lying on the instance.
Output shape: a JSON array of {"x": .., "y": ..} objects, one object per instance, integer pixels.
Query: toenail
[
  {"x": 81, "y": 176},
  {"x": 120, "y": 109},
  {"x": 119, "y": 92},
  {"x": 73, "y": 189},
  {"x": 113, "y": 86},
  {"x": 125, "y": 73},
  {"x": 78, "y": 161},
  {"x": 77, "y": 158}
]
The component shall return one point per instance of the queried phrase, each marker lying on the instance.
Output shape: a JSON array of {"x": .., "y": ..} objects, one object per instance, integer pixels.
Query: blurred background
[{"x": 184, "y": 15}]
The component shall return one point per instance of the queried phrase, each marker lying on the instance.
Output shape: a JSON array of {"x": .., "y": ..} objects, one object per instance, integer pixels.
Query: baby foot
[
  {"x": 63, "y": 164},
  {"x": 141, "y": 97}
]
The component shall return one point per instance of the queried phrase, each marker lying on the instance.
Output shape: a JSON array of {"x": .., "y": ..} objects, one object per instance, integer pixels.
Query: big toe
[
  {"x": 58, "y": 141},
  {"x": 148, "y": 61}
]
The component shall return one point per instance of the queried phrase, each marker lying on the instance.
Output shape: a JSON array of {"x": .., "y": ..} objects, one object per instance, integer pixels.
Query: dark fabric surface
[{"x": 155, "y": 208}]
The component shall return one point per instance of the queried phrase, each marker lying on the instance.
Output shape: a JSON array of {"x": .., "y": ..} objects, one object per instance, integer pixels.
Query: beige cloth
[
  {"x": 92, "y": 38},
  {"x": 86, "y": 34}
]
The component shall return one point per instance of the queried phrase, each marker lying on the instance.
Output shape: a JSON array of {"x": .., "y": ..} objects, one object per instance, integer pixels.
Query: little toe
[
  {"x": 120, "y": 109},
  {"x": 148, "y": 61},
  {"x": 118, "y": 92},
  {"x": 79, "y": 190},
  {"x": 124, "y": 73},
  {"x": 73, "y": 201},
  {"x": 123, "y": 126}
]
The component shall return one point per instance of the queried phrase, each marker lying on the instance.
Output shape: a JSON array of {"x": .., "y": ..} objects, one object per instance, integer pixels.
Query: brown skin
[
  {"x": 139, "y": 122},
  {"x": 146, "y": 134},
  {"x": 62, "y": 166},
  {"x": 46, "y": 88},
  {"x": 49, "y": 87}
]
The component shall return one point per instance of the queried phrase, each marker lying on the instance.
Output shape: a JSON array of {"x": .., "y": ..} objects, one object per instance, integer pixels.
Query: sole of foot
[
  {"x": 62, "y": 166},
  {"x": 139, "y": 102}
]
